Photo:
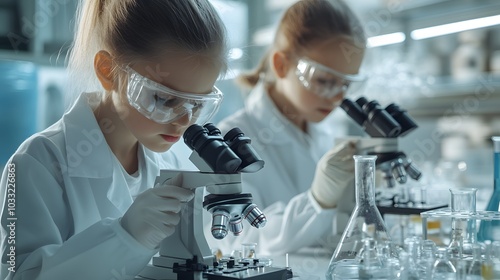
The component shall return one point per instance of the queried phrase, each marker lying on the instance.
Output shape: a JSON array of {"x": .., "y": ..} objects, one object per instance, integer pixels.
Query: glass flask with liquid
[
  {"x": 365, "y": 226},
  {"x": 490, "y": 230}
]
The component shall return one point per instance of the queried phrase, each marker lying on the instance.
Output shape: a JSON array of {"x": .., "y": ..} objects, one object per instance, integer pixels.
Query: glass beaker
[
  {"x": 365, "y": 221},
  {"x": 463, "y": 230},
  {"x": 490, "y": 230},
  {"x": 249, "y": 250}
]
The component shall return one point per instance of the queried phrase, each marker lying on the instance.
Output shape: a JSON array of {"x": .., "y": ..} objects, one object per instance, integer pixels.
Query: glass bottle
[
  {"x": 490, "y": 230},
  {"x": 365, "y": 222}
]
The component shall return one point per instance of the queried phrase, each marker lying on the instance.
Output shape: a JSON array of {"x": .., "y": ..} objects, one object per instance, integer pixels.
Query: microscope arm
[
  {"x": 215, "y": 183},
  {"x": 189, "y": 239}
]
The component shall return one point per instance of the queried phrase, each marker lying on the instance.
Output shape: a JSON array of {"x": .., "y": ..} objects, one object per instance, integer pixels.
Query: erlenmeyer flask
[
  {"x": 443, "y": 269},
  {"x": 365, "y": 222},
  {"x": 490, "y": 230}
]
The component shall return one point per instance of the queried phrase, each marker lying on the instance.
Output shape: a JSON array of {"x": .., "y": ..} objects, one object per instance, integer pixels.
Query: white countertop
[{"x": 307, "y": 264}]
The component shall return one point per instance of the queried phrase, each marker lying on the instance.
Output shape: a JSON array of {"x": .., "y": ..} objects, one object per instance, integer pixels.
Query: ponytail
[
  {"x": 85, "y": 45},
  {"x": 251, "y": 78},
  {"x": 134, "y": 30},
  {"x": 304, "y": 23}
]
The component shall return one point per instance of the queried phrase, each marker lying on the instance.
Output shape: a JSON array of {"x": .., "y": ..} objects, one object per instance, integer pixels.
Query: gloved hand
[
  {"x": 155, "y": 212},
  {"x": 334, "y": 172}
]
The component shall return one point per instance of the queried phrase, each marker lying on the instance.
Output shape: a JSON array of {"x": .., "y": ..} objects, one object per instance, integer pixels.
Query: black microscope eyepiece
[
  {"x": 402, "y": 117},
  {"x": 240, "y": 144},
  {"x": 374, "y": 119},
  {"x": 354, "y": 111},
  {"x": 381, "y": 120},
  {"x": 229, "y": 154},
  {"x": 212, "y": 148}
]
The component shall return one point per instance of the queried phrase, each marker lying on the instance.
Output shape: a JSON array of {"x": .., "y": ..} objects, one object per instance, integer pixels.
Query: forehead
[
  {"x": 339, "y": 53},
  {"x": 181, "y": 71}
]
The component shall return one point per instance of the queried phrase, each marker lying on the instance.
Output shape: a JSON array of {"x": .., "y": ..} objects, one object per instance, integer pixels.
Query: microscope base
[
  {"x": 250, "y": 272},
  {"x": 241, "y": 270}
]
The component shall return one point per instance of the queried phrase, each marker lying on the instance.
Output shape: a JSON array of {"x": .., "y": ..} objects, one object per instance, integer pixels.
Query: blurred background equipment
[{"x": 18, "y": 105}]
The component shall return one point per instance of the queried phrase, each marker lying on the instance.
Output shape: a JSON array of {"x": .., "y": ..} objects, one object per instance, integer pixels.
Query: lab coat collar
[
  {"x": 271, "y": 121},
  {"x": 86, "y": 146}
]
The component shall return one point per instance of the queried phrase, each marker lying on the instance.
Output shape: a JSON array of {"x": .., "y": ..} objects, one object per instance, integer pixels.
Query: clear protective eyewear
[
  {"x": 164, "y": 105},
  {"x": 325, "y": 81}
]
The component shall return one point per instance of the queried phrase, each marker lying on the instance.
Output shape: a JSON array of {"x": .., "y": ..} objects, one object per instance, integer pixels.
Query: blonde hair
[
  {"x": 305, "y": 23},
  {"x": 134, "y": 29}
]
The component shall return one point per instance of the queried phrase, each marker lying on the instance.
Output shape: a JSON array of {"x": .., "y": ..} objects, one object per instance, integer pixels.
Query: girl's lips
[
  {"x": 325, "y": 111},
  {"x": 170, "y": 138}
]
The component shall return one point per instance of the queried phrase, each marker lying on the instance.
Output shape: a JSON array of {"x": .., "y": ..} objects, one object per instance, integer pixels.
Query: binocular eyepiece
[
  {"x": 390, "y": 122},
  {"x": 229, "y": 154}
]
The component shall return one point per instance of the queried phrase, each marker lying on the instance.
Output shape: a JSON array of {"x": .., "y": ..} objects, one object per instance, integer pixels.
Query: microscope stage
[{"x": 249, "y": 272}]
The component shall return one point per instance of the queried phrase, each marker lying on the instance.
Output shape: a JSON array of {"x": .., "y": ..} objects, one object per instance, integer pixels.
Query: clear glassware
[
  {"x": 463, "y": 231},
  {"x": 370, "y": 262},
  {"x": 365, "y": 222},
  {"x": 412, "y": 246},
  {"x": 490, "y": 230},
  {"x": 443, "y": 269},
  {"x": 488, "y": 266},
  {"x": 456, "y": 244},
  {"x": 491, "y": 264},
  {"x": 473, "y": 269},
  {"x": 249, "y": 250},
  {"x": 426, "y": 259},
  {"x": 404, "y": 266}
]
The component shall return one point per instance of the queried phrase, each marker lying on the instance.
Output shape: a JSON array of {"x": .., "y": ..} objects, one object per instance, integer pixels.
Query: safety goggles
[
  {"x": 324, "y": 81},
  {"x": 164, "y": 105}
]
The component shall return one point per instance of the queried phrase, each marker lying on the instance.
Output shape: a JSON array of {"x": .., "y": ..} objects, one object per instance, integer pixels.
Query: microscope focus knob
[
  {"x": 220, "y": 220},
  {"x": 254, "y": 216}
]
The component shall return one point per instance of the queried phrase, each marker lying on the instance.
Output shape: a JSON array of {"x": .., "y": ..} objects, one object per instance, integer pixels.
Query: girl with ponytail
[
  {"x": 78, "y": 197},
  {"x": 312, "y": 65}
]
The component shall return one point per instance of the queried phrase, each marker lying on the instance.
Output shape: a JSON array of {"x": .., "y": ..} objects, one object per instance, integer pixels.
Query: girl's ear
[
  {"x": 280, "y": 63},
  {"x": 103, "y": 66}
]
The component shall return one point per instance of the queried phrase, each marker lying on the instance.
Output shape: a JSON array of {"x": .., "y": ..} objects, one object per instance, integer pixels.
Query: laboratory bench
[{"x": 306, "y": 264}]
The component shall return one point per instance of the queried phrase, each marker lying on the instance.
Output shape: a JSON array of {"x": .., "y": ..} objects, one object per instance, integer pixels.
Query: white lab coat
[
  {"x": 281, "y": 188},
  {"x": 70, "y": 191}
]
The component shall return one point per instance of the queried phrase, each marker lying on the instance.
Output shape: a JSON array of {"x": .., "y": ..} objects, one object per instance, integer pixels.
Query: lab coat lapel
[
  {"x": 86, "y": 149},
  {"x": 271, "y": 126},
  {"x": 276, "y": 132},
  {"x": 85, "y": 144},
  {"x": 119, "y": 193}
]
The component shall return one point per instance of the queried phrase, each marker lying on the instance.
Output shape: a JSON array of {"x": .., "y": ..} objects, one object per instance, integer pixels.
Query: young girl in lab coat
[
  {"x": 314, "y": 59},
  {"x": 78, "y": 197}
]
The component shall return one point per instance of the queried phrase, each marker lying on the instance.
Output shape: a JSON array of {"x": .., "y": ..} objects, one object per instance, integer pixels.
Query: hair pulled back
[
  {"x": 307, "y": 22},
  {"x": 135, "y": 29}
]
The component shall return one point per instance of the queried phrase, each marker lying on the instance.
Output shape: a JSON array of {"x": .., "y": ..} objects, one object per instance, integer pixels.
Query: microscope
[
  {"x": 221, "y": 160},
  {"x": 385, "y": 126}
]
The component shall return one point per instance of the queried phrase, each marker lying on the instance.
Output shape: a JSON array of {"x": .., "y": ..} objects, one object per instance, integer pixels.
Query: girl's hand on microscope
[
  {"x": 155, "y": 213},
  {"x": 334, "y": 172}
]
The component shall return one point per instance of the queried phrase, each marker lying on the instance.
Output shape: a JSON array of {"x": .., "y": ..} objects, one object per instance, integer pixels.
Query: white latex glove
[
  {"x": 334, "y": 172},
  {"x": 155, "y": 212}
]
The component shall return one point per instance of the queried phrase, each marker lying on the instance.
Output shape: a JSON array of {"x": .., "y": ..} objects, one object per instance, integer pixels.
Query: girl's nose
[
  {"x": 337, "y": 98},
  {"x": 184, "y": 120}
]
